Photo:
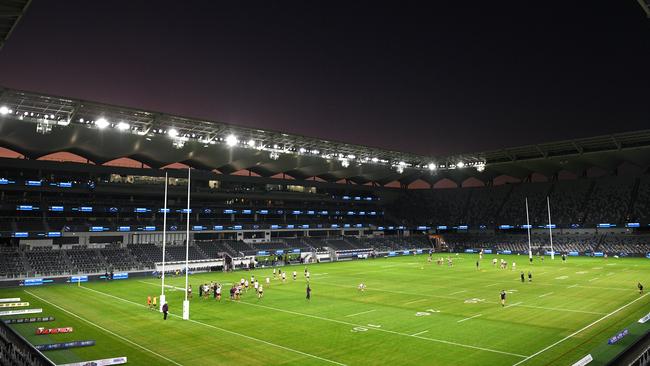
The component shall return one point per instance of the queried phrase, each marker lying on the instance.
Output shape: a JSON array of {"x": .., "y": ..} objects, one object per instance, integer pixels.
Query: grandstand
[{"x": 284, "y": 200}]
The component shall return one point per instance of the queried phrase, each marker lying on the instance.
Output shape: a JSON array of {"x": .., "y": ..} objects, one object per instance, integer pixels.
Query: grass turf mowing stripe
[
  {"x": 104, "y": 329},
  {"x": 579, "y": 330},
  {"x": 225, "y": 330},
  {"x": 383, "y": 330},
  {"x": 459, "y": 299}
]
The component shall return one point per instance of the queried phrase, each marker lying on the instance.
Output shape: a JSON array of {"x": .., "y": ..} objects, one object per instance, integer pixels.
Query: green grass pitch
[{"x": 412, "y": 313}]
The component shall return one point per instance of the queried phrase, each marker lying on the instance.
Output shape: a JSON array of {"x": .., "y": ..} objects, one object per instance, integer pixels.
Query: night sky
[{"x": 454, "y": 77}]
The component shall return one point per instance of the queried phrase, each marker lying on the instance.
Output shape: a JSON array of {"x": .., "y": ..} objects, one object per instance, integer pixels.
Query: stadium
[{"x": 140, "y": 237}]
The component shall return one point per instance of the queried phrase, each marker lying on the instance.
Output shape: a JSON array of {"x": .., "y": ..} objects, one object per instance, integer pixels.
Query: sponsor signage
[
  {"x": 645, "y": 319},
  {"x": 64, "y": 345},
  {"x": 121, "y": 276},
  {"x": 102, "y": 362},
  {"x": 29, "y": 320},
  {"x": 469, "y": 250},
  {"x": 618, "y": 336},
  {"x": 76, "y": 279},
  {"x": 21, "y": 311},
  {"x": 42, "y": 331},
  {"x": 13, "y": 304},
  {"x": 506, "y": 252},
  {"x": 262, "y": 252},
  {"x": 392, "y": 254},
  {"x": 584, "y": 361},
  {"x": 10, "y": 299},
  {"x": 574, "y": 254},
  {"x": 487, "y": 251},
  {"x": 33, "y": 282},
  {"x": 598, "y": 254}
]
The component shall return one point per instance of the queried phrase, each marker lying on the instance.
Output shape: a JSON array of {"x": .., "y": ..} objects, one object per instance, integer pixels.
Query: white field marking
[
  {"x": 418, "y": 333},
  {"x": 539, "y": 274},
  {"x": 494, "y": 284},
  {"x": 363, "y": 312},
  {"x": 610, "y": 274},
  {"x": 560, "y": 309},
  {"x": 484, "y": 301},
  {"x": 382, "y": 330},
  {"x": 105, "y": 330},
  {"x": 593, "y": 279},
  {"x": 223, "y": 330},
  {"x": 471, "y": 317},
  {"x": 515, "y": 304},
  {"x": 414, "y": 301},
  {"x": 579, "y": 330},
  {"x": 458, "y": 292},
  {"x": 544, "y": 295},
  {"x": 572, "y": 286},
  {"x": 166, "y": 286},
  {"x": 320, "y": 274}
]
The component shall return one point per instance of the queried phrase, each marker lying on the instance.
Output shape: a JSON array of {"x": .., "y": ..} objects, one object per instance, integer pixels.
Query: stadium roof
[
  {"x": 10, "y": 13},
  {"x": 645, "y": 4},
  {"x": 36, "y": 125}
]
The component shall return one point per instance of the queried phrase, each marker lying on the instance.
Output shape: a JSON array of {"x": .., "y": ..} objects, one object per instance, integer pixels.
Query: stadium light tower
[
  {"x": 186, "y": 303},
  {"x": 162, "y": 291}
]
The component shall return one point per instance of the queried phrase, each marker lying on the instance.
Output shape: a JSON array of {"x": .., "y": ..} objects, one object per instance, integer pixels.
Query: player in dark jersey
[
  {"x": 503, "y": 297},
  {"x": 522, "y": 276},
  {"x": 640, "y": 286},
  {"x": 308, "y": 292},
  {"x": 477, "y": 265},
  {"x": 530, "y": 277}
]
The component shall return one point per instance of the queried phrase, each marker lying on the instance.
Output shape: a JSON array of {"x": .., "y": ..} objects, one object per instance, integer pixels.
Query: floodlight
[
  {"x": 172, "y": 132},
  {"x": 251, "y": 143},
  {"x": 4, "y": 110},
  {"x": 231, "y": 140},
  {"x": 345, "y": 163},
  {"x": 101, "y": 123},
  {"x": 123, "y": 126},
  {"x": 432, "y": 166},
  {"x": 460, "y": 164}
]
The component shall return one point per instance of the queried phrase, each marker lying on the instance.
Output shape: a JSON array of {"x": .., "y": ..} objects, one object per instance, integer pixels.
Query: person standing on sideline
[
  {"x": 165, "y": 310},
  {"x": 155, "y": 303},
  {"x": 308, "y": 292}
]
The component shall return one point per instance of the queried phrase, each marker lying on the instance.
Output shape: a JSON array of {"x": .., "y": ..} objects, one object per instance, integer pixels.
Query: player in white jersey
[
  {"x": 268, "y": 281},
  {"x": 260, "y": 292},
  {"x": 307, "y": 275},
  {"x": 284, "y": 276},
  {"x": 246, "y": 285},
  {"x": 514, "y": 266},
  {"x": 256, "y": 286},
  {"x": 274, "y": 274},
  {"x": 218, "y": 292},
  {"x": 294, "y": 275},
  {"x": 361, "y": 287}
]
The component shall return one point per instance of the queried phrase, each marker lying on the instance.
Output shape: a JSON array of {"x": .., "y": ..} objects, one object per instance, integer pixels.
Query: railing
[{"x": 15, "y": 350}]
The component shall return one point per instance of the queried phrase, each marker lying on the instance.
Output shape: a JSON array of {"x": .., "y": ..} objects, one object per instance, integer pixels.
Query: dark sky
[{"x": 456, "y": 76}]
